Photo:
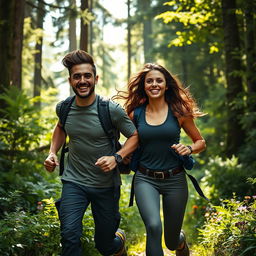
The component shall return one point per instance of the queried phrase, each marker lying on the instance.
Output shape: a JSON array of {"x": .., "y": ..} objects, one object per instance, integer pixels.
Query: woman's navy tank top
[{"x": 156, "y": 141}]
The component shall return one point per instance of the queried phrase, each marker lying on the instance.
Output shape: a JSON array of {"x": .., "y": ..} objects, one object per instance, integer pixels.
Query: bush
[
  {"x": 26, "y": 234},
  {"x": 225, "y": 177},
  {"x": 230, "y": 229}
]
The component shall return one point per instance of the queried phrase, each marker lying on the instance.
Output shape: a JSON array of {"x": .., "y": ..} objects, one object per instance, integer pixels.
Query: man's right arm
[{"x": 58, "y": 139}]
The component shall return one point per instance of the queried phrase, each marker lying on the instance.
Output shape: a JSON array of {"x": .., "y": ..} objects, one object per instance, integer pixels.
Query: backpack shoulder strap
[
  {"x": 64, "y": 109},
  {"x": 136, "y": 115},
  {"x": 104, "y": 116}
]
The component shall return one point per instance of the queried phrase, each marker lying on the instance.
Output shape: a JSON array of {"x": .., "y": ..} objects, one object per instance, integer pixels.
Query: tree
[
  {"x": 129, "y": 50},
  {"x": 38, "y": 54},
  {"x": 250, "y": 32},
  {"x": 144, "y": 7},
  {"x": 235, "y": 133},
  {"x": 11, "y": 37},
  {"x": 72, "y": 31},
  {"x": 84, "y": 26}
]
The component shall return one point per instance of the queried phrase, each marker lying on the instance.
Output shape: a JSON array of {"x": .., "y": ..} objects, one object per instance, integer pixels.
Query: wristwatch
[{"x": 118, "y": 158}]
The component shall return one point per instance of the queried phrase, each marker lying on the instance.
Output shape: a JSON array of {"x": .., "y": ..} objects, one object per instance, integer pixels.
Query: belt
[{"x": 160, "y": 174}]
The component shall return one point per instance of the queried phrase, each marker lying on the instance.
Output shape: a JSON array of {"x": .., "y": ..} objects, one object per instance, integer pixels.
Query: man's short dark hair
[{"x": 78, "y": 57}]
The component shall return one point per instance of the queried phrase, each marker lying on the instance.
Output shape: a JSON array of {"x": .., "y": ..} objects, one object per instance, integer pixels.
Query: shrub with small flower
[{"x": 230, "y": 229}]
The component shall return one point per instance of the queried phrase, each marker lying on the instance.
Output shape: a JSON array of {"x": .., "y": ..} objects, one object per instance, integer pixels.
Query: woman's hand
[{"x": 181, "y": 149}]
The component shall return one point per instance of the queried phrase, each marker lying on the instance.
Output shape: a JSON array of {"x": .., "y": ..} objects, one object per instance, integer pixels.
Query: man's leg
[
  {"x": 105, "y": 210},
  {"x": 72, "y": 208}
]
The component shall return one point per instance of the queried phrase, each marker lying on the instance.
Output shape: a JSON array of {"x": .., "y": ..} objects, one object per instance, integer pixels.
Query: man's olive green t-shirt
[{"x": 88, "y": 142}]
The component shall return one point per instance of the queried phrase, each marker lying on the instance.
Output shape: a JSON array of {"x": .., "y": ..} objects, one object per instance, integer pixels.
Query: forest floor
[{"x": 166, "y": 253}]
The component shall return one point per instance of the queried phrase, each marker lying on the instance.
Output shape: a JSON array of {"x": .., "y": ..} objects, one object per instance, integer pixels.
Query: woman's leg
[
  {"x": 148, "y": 202},
  {"x": 175, "y": 197}
]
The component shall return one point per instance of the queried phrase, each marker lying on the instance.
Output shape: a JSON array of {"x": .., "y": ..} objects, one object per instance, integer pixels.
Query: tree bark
[
  {"x": 144, "y": 7},
  {"x": 91, "y": 30},
  {"x": 16, "y": 50},
  {"x": 72, "y": 32},
  {"x": 235, "y": 133},
  {"x": 38, "y": 54},
  {"x": 84, "y": 28},
  {"x": 250, "y": 46},
  {"x": 72, "y": 26},
  {"x": 11, "y": 38},
  {"x": 6, "y": 15},
  {"x": 129, "y": 50}
]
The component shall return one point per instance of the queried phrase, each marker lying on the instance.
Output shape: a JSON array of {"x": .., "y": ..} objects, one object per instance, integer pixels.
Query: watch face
[{"x": 118, "y": 158}]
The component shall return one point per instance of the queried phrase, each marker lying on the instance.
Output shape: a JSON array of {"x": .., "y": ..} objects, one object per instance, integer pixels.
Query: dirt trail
[{"x": 166, "y": 253}]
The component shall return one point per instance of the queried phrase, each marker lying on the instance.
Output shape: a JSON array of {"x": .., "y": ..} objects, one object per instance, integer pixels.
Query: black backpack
[{"x": 106, "y": 123}]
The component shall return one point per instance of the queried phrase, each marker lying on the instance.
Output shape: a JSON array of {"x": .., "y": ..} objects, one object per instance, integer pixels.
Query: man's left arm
[
  {"x": 123, "y": 124},
  {"x": 108, "y": 163}
]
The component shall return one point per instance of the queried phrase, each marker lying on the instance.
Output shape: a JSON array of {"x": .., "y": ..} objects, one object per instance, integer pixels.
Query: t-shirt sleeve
[{"x": 121, "y": 120}]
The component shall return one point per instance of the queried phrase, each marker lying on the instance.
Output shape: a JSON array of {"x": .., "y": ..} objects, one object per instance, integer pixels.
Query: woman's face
[{"x": 155, "y": 84}]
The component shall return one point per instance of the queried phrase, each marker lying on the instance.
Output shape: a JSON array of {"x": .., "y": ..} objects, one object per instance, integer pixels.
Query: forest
[{"x": 209, "y": 44}]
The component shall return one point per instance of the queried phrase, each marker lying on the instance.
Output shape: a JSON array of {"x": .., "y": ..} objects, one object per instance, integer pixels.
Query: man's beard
[{"x": 92, "y": 88}]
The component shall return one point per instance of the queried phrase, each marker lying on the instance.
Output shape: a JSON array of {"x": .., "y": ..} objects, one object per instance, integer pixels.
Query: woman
[{"x": 166, "y": 107}]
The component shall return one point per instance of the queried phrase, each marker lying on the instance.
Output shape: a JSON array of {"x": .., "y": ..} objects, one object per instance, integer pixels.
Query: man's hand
[
  {"x": 106, "y": 163},
  {"x": 51, "y": 162}
]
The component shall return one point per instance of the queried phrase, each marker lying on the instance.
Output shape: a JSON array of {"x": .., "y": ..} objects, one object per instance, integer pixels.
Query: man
[{"x": 89, "y": 175}]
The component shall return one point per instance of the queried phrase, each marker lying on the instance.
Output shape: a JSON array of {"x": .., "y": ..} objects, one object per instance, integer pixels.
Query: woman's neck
[{"x": 156, "y": 105}]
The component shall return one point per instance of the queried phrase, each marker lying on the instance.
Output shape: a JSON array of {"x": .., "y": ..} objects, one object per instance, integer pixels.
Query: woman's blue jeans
[{"x": 74, "y": 201}]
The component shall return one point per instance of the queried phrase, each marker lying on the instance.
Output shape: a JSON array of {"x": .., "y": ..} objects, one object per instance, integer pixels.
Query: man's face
[{"x": 82, "y": 80}]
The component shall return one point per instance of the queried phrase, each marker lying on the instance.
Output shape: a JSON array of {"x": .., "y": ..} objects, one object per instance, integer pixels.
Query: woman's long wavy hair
[{"x": 177, "y": 97}]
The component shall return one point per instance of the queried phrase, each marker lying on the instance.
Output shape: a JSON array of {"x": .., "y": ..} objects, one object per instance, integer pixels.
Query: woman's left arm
[{"x": 198, "y": 145}]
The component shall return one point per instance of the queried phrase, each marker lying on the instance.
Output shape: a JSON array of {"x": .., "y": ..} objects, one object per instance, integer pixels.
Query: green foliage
[
  {"x": 20, "y": 126},
  {"x": 38, "y": 234},
  {"x": 28, "y": 234},
  {"x": 131, "y": 221},
  {"x": 222, "y": 179},
  {"x": 230, "y": 229},
  {"x": 225, "y": 177},
  {"x": 23, "y": 179},
  {"x": 198, "y": 18}
]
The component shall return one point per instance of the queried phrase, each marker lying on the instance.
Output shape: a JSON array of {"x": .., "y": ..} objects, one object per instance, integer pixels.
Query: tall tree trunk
[
  {"x": 6, "y": 32},
  {"x": 103, "y": 57},
  {"x": 184, "y": 64},
  {"x": 91, "y": 29},
  {"x": 16, "y": 50},
  {"x": 38, "y": 54},
  {"x": 129, "y": 50},
  {"x": 250, "y": 46},
  {"x": 11, "y": 38},
  {"x": 84, "y": 28},
  {"x": 144, "y": 7},
  {"x": 72, "y": 31},
  {"x": 72, "y": 26},
  {"x": 235, "y": 133}
]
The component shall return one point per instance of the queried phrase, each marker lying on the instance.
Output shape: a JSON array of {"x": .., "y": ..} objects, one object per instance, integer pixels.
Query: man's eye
[{"x": 76, "y": 77}]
